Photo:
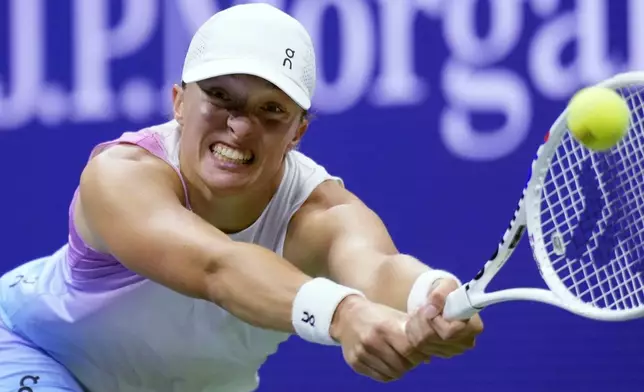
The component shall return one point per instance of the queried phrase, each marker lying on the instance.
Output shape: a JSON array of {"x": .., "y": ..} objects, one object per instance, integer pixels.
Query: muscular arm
[
  {"x": 131, "y": 205},
  {"x": 341, "y": 238}
]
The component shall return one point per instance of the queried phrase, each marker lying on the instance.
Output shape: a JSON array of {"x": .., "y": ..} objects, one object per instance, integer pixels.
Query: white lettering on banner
[
  {"x": 97, "y": 45},
  {"x": 398, "y": 83},
  {"x": 26, "y": 63},
  {"x": 460, "y": 22},
  {"x": 587, "y": 27},
  {"x": 635, "y": 26},
  {"x": 357, "y": 51},
  {"x": 53, "y": 106},
  {"x": 377, "y": 54},
  {"x": 92, "y": 94},
  {"x": 544, "y": 8},
  {"x": 470, "y": 91},
  {"x": 594, "y": 58},
  {"x": 551, "y": 78}
]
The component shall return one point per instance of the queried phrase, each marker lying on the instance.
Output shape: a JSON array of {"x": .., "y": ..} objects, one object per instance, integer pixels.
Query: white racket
[{"x": 584, "y": 215}]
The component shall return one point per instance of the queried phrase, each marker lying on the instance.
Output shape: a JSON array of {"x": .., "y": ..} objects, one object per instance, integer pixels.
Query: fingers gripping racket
[{"x": 583, "y": 212}]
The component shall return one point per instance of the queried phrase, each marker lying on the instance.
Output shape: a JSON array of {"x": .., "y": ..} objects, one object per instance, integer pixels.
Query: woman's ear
[
  {"x": 299, "y": 134},
  {"x": 177, "y": 103}
]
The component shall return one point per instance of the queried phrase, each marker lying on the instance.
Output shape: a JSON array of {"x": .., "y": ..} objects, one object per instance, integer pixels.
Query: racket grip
[{"x": 458, "y": 306}]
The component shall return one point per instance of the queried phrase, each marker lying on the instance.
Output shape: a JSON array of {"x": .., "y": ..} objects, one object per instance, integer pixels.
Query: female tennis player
[{"x": 197, "y": 246}]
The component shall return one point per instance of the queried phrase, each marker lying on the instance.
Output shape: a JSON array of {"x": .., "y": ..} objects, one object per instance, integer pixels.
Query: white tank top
[{"x": 119, "y": 332}]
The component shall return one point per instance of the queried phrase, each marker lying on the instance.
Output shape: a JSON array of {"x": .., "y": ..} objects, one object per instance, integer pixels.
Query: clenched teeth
[{"x": 231, "y": 154}]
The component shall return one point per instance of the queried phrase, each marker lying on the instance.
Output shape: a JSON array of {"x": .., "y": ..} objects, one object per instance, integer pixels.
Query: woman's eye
[
  {"x": 273, "y": 108},
  {"x": 218, "y": 94}
]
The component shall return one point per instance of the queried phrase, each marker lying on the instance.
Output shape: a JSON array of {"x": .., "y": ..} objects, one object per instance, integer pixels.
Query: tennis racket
[{"x": 583, "y": 212}]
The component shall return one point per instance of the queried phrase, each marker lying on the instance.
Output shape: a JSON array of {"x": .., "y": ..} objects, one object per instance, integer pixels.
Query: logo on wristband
[
  {"x": 309, "y": 319},
  {"x": 27, "y": 382}
]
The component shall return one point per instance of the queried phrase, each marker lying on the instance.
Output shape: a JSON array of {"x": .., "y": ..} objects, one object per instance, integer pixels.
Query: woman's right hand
[{"x": 373, "y": 339}]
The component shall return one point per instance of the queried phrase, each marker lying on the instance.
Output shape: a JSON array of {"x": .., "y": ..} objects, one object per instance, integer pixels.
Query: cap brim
[{"x": 221, "y": 67}]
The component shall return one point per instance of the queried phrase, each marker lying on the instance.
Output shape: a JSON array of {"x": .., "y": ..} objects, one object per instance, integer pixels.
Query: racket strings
[
  {"x": 562, "y": 180},
  {"x": 623, "y": 229},
  {"x": 588, "y": 264},
  {"x": 628, "y": 280},
  {"x": 621, "y": 293},
  {"x": 556, "y": 193},
  {"x": 593, "y": 216}
]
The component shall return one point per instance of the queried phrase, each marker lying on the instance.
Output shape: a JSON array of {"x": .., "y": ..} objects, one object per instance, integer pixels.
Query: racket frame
[{"x": 471, "y": 297}]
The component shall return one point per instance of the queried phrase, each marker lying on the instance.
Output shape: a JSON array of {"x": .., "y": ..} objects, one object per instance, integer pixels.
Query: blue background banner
[{"x": 431, "y": 110}]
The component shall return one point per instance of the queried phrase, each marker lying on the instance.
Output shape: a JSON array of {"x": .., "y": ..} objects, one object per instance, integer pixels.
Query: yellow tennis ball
[{"x": 598, "y": 117}]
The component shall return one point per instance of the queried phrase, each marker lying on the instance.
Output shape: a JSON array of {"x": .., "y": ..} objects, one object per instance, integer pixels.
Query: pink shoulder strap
[{"x": 151, "y": 141}]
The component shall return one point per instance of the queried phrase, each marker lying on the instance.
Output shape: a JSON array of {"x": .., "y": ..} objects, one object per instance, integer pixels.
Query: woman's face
[{"x": 236, "y": 130}]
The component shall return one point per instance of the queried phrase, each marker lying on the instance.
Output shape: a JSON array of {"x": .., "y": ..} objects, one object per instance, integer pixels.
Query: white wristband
[
  {"x": 423, "y": 285},
  {"x": 314, "y": 307}
]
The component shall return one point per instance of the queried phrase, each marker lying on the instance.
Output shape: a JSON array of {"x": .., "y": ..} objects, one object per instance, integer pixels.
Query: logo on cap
[{"x": 290, "y": 53}]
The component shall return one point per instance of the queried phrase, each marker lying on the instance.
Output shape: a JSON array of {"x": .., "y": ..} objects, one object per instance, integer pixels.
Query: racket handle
[{"x": 457, "y": 306}]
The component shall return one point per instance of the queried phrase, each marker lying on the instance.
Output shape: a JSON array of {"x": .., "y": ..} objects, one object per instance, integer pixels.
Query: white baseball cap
[{"x": 255, "y": 39}]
